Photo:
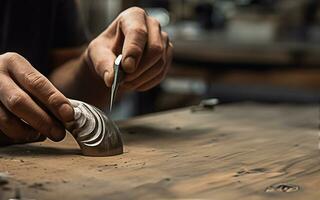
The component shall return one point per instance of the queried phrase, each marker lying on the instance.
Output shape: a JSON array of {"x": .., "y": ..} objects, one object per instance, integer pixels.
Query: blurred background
[{"x": 233, "y": 50}]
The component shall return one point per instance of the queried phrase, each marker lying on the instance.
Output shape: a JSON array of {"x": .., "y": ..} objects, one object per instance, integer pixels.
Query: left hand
[{"x": 147, "y": 51}]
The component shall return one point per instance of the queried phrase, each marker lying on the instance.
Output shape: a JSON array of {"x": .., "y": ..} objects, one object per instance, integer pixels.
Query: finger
[
  {"x": 153, "y": 52},
  {"x": 40, "y": 87},
  {"x": 146, "y": 80},
  {"x": 15, "y": 129},
  {"x": 102, "y": 58},
  {"x": 23, "y": 107},
  {"x": 134, "y": 28},
  {"x": 155, "y": 81},
  {"x": 162, "y": 65},
  {"x": 5, "y": 140},
  {"x": 166, "y": 41},
  {"x": 147, "y": 76},
  {"x": 169, "y": 57}
]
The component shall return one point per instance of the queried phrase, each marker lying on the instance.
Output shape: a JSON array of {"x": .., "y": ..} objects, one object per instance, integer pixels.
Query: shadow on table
[
  {"x": 133, "y": 135},
  {"x": 147, "y": 134},
  {"x": 37, "y": 150}
]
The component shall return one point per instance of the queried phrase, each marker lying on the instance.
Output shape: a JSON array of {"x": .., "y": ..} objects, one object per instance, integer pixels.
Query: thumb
[{"x": 102, "y": 60}]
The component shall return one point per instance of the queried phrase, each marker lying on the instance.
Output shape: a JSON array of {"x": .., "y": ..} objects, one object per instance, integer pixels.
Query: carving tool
[{"x": 118, "y": 77}]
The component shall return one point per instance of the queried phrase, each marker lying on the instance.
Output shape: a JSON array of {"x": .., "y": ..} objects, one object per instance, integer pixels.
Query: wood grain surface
[{"x": 240, "y": 151}]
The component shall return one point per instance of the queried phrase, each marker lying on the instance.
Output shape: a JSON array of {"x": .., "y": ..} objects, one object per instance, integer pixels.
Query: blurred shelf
[{"x": 222, "y": 47}]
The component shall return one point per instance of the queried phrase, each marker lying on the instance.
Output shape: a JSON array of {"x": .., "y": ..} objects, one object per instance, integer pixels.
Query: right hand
[{"x": 31, "y": 108}]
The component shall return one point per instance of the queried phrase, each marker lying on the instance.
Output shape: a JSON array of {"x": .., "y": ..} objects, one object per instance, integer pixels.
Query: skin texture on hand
[
  {"x": 147, "y": 54},
  {"x": 147, "y": 51},
  {"x": 30, "y": 106}
]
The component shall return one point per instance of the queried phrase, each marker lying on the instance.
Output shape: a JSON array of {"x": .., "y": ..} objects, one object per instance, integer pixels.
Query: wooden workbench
[{"x": 241, "y": 151}]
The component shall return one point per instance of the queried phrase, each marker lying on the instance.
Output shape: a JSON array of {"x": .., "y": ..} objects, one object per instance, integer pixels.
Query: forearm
[{"x": 76, "y": 80}]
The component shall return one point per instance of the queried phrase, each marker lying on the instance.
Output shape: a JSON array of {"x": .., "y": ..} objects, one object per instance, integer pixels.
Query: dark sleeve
[{"x": 69, "y": 30}]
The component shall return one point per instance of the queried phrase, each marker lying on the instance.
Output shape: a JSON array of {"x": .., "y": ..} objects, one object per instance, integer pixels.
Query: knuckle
[
  {"x": 15, "y": 101},
  {"x": 10, "y": 57},
  {"x": 55, "y": 99},
  {"x": 36, "y": 81},
  {"x": 137, "y": 10},
  {"x": 156, "y": 49},
  {"x": 136, "y": 48},
  {"x": 132, "y": 11},
  {"x": 141, "y": 31}
]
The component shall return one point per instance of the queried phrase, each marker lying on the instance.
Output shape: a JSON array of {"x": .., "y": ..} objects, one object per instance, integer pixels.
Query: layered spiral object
[{"x": 96, "y": 134}]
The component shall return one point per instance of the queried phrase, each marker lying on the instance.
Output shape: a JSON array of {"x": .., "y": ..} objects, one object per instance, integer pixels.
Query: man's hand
[
  {"x": 146, "y": 50},
  {"x": 30, "y": 106}
]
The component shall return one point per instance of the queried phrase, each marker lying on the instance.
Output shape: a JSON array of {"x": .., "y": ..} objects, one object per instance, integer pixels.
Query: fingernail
[
  {"x": 129, "y": 64},
  {"x": 66, "y": 113},
  {"x": 57, "y": 134}
]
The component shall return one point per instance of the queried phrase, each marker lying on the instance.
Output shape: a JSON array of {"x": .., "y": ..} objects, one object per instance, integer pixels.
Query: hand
[
  {"x": 30, "y": 106},
  {"x": 146, "y": 50}
]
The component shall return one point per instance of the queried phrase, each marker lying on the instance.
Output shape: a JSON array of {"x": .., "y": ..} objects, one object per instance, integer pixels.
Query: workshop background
[{"x": 233, "y": 50}]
